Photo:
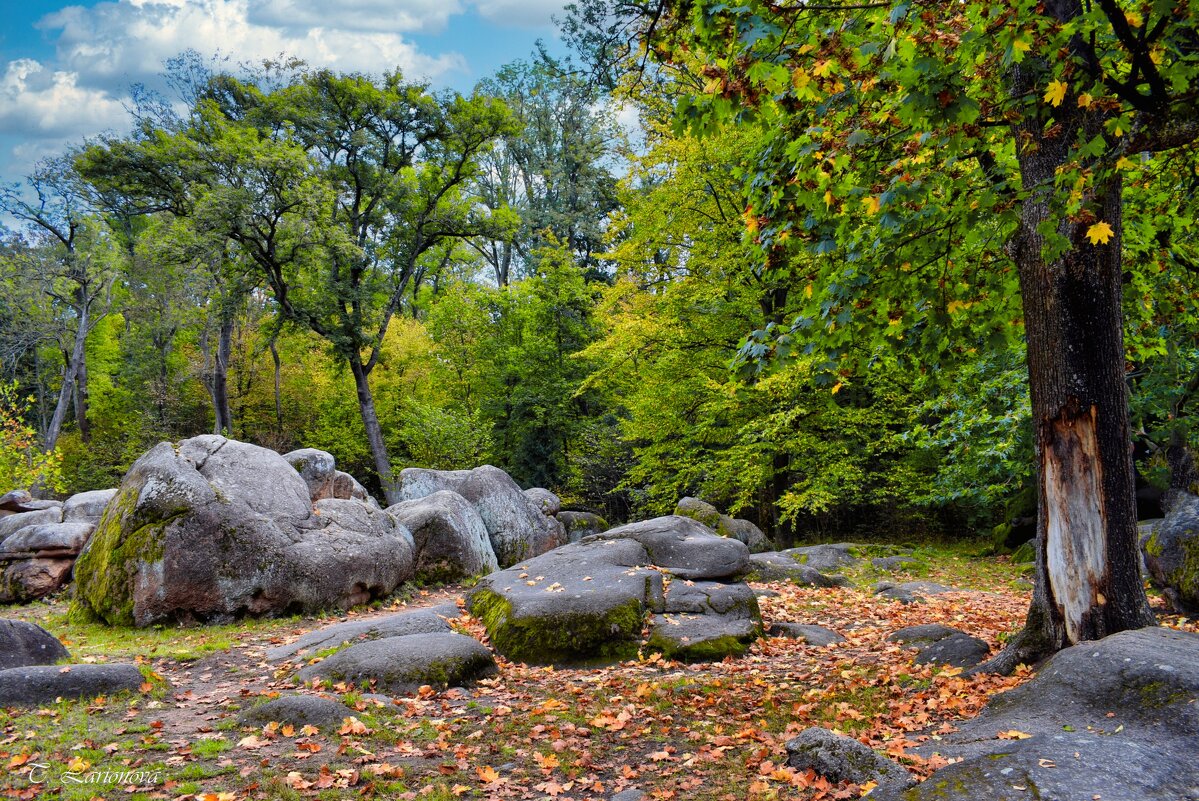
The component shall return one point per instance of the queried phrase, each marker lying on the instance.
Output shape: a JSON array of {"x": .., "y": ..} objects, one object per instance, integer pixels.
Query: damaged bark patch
[{"x": 1076, "y": 519}]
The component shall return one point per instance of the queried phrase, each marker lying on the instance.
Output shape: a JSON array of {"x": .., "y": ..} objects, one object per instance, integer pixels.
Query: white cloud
[
  {"x": 399, "y": 16},
  {"x": 52, "y": 105},
  {"x": 520, "y": 13},
  {"x": 115, "y": 43}
]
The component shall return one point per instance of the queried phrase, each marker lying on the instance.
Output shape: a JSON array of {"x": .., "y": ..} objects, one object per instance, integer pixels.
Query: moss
[
  {"x": 1159, "y": 695},
  {"x": 119, "y": 548},
  {"x": 559, "y": 638},
  {"x": 1153, "y": 546},
  {"x": 711, "y": 650}
]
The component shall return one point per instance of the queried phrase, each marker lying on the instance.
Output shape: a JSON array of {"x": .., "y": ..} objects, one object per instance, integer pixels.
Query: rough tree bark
[
  {"x": 220, "y": 377},
  {"x": 67, "y": 391}
]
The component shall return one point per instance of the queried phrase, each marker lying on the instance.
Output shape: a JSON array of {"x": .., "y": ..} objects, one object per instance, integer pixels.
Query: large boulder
[
  {"x": 516, "y": 525},
  {"x": 724, "y": 525},
  {"x": 1116, "y": 719},
  {"x": 589, "y": 600},
  {"x": 449, "y": 537},
  {"x": 431, "y": 620},
  {"x": 684, "y": 547},
  {"x": 213, "y": 529},
  {"x": 13, "y": 523},
  {"x": 1171, "y": 554},
  {"x": 582, "y": 524},
  {"x": 24, "y": 644},
  {"x": 404, "y": 664}
]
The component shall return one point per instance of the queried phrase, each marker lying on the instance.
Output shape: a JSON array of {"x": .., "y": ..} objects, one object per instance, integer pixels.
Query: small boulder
[
  {"x": 30, "y": 579},
  {"x": 13, "y": 523},
  {"x": 62, "y": 539},
  {"x": 549, "y": 503},
  {"x": 742, "y": 530},
  {"x": 1171, "y": 553},
  {"x": 347, "y": 488},
  {"x": 14, "y": 501},
  {"x": 907, "y": 564},
  {"x": 909, "y": 592},
  {"x": 842, "y": 759},
  {"x": 958, "y": 650},
  {"x": 450, "y": 540},
  {"x": 298, "y": 710},
  {"x": 922, "y": 634},
  {"x": 87, "y": 507},
  {"x": 516, "y": 525},
  {"x": 24, "y": 644},
  {"x": 581, "y": 524},
  {"x": 404, "y": 664},
  {"x": 317, "y": 468},
  {"x": 431, "y": 620},
  {"x": 816, "y": 636},
  {"x": 44, "y": 684},
  {"x": 826, "y": 558},
  {"x": 705, "y": 621},
  {"x": 782, "y": 566}
]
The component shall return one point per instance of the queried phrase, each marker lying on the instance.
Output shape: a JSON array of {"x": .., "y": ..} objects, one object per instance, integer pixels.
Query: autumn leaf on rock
[{"x": 1013, "y": 734}]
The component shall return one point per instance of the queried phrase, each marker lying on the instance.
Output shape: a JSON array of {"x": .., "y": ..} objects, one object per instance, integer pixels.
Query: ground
[{"x": 710, "y": 731}]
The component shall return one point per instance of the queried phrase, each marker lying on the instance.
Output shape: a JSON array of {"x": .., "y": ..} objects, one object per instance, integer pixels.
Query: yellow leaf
[
  {"x": 807, "y": 291},
  {"x": 1134, "y": 19},
  {"x": 1123, "y": 163},
  {"x": 487, "y": 774},
  {"x": 1013, "y": 734},
  {"x": 867, "y": 787},
  {"x": 1085, "y": 100},
  {"x": 799, "y": 78},
  {"x": 78, "y": 765},
  {"x": 824, "y": 68},
  {"x": 836, "y": 387},
  {"x": 1100, "y": 233},
  {"x": 1056, "y": 93},
  {"x": 871, "y": 203},
  {"x": 1021, "y": 45},
  {"x": 828, "y": 198}
]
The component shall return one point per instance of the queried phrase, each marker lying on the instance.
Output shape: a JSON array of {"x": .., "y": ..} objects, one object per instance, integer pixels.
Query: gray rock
[
  {"x": 923, "y": 633},
  {"x": 546, "y": 501},
  {"x": 347, "y": 488},
  {"x": 30, "y": 579},
  {"x": 23, "y": 644},
  {"x": 911, "y": 591},
  {"x": 1171, "y": 554},
  {"x": 216, "y": 529},
  {"x": 317, "y": 468},
  {"x": 581, "y": 602},
  {"x": 43, "y": 684},
  {"x": 958, "y": 650},
  {"x": 891, "y": 563},
  {"x": 816, "y": 636},
  {"x": 516, "y": 526},
  {"x": 684, "y": 547},
  {"x": 581, "y": 524},
  {"x": 13, "y": 523},
  {"x": 781, "y": 566},
  {"x": 403, "y": 664},
  {"x": 87, "y": 507},
  {"x": 827, "y": 557},
  {"x": 631, "y": 794},
  {"x": 62, "y": 538},
  {"x": 843, "y": 759},
  {"x": 450, "y": 540},
  {"x": 14, "y": 501},
  {"x": 1117, "y": 718},
  {"x": 298, "y": 710},
  {"x": 418, "y": 621},
  {"x": 1026, "y": 553},
  {"x": 742, "y": 530},
  {"x": 705, "y": 621}
]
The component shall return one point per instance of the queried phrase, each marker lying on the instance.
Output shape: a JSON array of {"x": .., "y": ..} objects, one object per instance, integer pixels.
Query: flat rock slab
[
  {"x": 44, "y": 684},
  {"x": 816, "y": 636},
  {"x": 701, "y": 638},
  {"x": 783, "y": 566},
  {"x": 404, "y": 664},
  {"x": 958, "y": 650},
  {"x": 924, "y": 633},
  {"x": 911, "y": 591},
  {"x": 1132, "y": 700},
  {"x": 431, "y": 620},
  {"x": 24, "y": 644},
  {"x": 298, "y": 710},
  {"x": 827, "y": 557},
  {"x": 684, "y": 547},
  {"x": 64, "y": 537},
  {"x": 891, "y": 563}
]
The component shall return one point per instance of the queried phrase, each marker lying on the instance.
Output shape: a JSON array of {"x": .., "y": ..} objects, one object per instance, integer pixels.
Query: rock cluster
[
  {"x": 592, "y": 599},
  {"x": 40, "y": 540},
  {"x": 743, "y": 530},
  {"x": 1171, "y": 553}
]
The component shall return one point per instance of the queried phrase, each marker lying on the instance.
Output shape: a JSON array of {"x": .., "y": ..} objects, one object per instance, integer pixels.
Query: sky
[{"x": 66, "y": 70}]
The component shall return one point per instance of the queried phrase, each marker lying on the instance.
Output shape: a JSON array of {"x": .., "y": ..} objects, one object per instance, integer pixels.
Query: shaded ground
[{"x": 712, "y": 731}]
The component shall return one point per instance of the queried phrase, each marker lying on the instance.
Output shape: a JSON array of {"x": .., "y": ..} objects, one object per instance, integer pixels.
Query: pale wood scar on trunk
[{"x": 1076, "y": 519}]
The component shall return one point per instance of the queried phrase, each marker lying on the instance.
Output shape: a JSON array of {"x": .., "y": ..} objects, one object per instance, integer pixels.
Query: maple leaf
[
  {"x": 871, "y": 204},
  {"x": 252, "y": 743},
  {"x": 352, "y": 725},
  {"x": 1013, "y": 734},
  {"x": 487, "y": 774},
  {"x": 1100, "y": 233},
  {"x": 1056, "y": 93}
]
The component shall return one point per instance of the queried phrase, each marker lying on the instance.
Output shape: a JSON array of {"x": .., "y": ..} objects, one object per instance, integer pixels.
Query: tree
[
  {"x": 336, "y": 188},
  {"x": 917, "y": 164},
  {"x": 77, "y": 273}
]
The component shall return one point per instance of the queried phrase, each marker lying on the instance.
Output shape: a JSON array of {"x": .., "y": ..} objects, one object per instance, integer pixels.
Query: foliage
[{"x": 23, "y": 464}]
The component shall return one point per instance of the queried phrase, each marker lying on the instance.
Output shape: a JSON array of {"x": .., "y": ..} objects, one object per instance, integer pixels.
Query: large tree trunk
[
  {"x": 220, "y": 377},
  {"x": 67, "y": 391},
  {"x": 1088, "y": 582},
  {"x": 374, "y": 432}
]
